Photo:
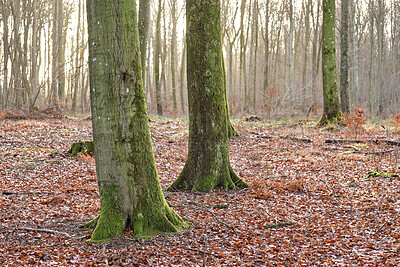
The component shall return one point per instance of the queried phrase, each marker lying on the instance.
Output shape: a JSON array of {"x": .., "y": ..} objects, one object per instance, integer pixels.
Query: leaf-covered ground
[{"x": 310, "y": 202}]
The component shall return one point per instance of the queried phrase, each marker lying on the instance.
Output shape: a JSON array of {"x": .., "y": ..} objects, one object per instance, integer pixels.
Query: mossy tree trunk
[
  {"x": 329, "y": 74},
  {"x": 130, "y": 191},
  {"x": 207, "y": 164}
]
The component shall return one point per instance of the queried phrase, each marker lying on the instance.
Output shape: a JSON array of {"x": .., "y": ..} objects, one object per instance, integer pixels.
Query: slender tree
[
  {"x": 130, "y": 192},
  {"x": 315, "y": 55},
  {"x": 381, "y": 43},
  {"x": 307, "y": 36},
  {"x": 173, "y": 52},
  {"x": 78, "y": 54},
  {"x": 371, "y": 9},
  {"x": 208, "y": 165},
  {"x": 266, "y": 53},
  {"x": 354, "y": 53},
  {"x": 182, "y": 75},
  {"x": 329, "y": 74},
  {"x": 255, "y": 67},
  {"x": 5, "y": 10},
  {"x": 344, "y": 58},
  {"x": 291, "y": 57},
  {"x": 144, "y": 21},
  {"x": 157, "y": 58}
]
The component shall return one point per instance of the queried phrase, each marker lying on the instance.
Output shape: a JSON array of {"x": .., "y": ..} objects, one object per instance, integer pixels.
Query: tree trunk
[
  {"x": 34, "y": 58},
  {"x": 144, "y": 20},
  {"x": 315, "y": 54},
  {"x": 54, "y": 98},
  {"x": 207, "y": 165},
  {"x": 156, "y": 58},
  {"x": 381, "y": 92},
  {"x": 266, "y": 58},
  {"x": 182, "y": 76},
  {"x": 61, "y": 42},
  {"x": 305, "y": 59},
  {"x": 371, "y": 60},
  {"x": 173, "y": 54},
  {"x": 16, "y": 59},
  {"x": 354, "y": 54},
  {"x": 291, "y": 59},
  {"x": 130, "y": 192},
  {"x": 242, "y": 55},
  {"x": 329, "y": 75},
  {"x": 5, "y": 16},
  {"x": 344, "y": 58},
  {"x": 77, "y": 60},
  {"x": 256, "y": 11}
]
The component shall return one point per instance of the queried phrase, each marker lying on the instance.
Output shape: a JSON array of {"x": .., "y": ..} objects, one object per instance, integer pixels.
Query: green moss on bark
[
  {"x": 130, "y": 191},
  {"x": 329, "y": 73},
  {"x": 207, "y": 165}
]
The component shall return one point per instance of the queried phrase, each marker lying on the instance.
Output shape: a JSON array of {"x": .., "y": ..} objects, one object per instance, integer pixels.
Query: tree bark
[
  {"x": 291, "y": 58},
  {"x": 381, "y": 92},
  {"x": 371, "y": 60},
  {"x": 173, "y": 54},
  {"x": 344, "y": 58},
  {"x": 156, "y": 58},
  {"x": 354, "y": 54},
  {"x": 208, "y": 165},
  {"x": 5, "y": 15},
  {"x": 77, "y": 60},
  {"x": 305, "y": 59},
  {"x": 182, "y": 76},
  {"x": 130, "y": 191},
  {"x": 315, "y": 62},
  {"x": 144, "y": 21},
  {"x": 329, "y": 74},
  {"x": 266, "y": 58}
]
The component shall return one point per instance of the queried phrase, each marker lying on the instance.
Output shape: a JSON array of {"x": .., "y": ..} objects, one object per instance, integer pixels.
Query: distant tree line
[{"x": 272, "y": 55}]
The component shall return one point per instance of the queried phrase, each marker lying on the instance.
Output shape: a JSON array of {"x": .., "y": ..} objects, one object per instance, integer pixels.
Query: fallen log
[
  {"x": 376, "y": 141},
  {"x": 343, "y": 141}
]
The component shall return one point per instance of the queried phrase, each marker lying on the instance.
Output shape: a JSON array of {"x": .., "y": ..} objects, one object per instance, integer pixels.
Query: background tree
[
  {"x": 344, "y": 58},
  {"x": 35, "y": 65},
  {"x": 157, "y": 58},
  {"x": 173, "y": 4},
  {"x": 144, "y": 21},
  {"x": 207, "y": 164},
  {"x": 329, "y": 75},
  {"x": 130, "y": 192}
]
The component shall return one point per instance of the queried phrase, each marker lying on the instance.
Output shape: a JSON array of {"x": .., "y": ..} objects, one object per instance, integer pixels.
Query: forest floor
[{"x": 310, "y": 202}]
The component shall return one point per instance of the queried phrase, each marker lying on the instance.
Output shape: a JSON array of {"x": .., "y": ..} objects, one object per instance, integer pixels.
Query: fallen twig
[
  {"x": 305, "y": 140},
  {"x": 43, "y": 230},
  {"x": 343, "y": 141},
  {"x": 204, "y": 252},
  {"x": 278, "y": 225},
  {"x": 205, "y": 247},
  {"x": 218, "y": 206},
  {"x": 377, "y": 141},
  {"x": 23, "y": 204},
  {"x": 386, "y": 223},
  {"x": 379, "y": 152},
  {"x": 276, "y": 177},
  {"x": 26, "y": 138},
  {"x": 207, "y": 209},
  {"x": 26, "y": 193}
]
